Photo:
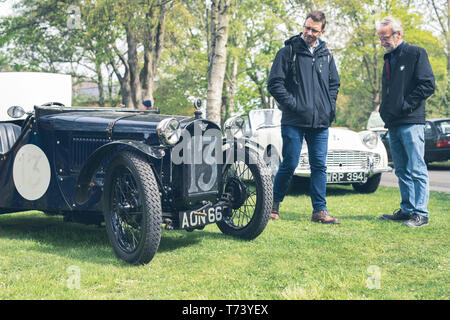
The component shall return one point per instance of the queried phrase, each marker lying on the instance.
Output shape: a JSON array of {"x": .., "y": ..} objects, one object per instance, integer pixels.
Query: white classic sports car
[{"x": 357, "y": 158}]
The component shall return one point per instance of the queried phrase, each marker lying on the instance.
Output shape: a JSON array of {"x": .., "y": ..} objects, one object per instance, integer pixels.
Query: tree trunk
[
  {"x": 264, "y": 101},
  {"x": 153, "y": 44},
  {"x": 125, "y": 90},
  {"x": 111, "y": 89},
  {"x": 124, "y": 81},
  {"x": 219, "y": 28},
  {"x": 101, "y": 90},
  {"x": 147, "y": 75},
  {"x": 230, "y": 89},
  {"x": 133, "y": 63}
]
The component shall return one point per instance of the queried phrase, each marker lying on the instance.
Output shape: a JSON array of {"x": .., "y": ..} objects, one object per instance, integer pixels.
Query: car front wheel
[
  {"x": 132, "y": 208},
  {"x": 272, "y": 160},
  {"x": 370, "y": 186},
  {"x": 249, "y": 185}
]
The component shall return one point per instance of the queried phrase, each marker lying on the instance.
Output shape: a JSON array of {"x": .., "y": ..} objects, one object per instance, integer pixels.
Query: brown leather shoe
[
  {"x": 275, "y": 215},
  {"x": 323, "y": 217}
]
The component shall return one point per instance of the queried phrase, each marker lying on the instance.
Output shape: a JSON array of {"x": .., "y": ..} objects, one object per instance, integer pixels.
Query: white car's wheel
[{"x": 370, "y": 186}]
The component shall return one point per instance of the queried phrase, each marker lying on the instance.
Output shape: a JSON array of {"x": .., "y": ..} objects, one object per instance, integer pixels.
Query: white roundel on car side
[{"x": 31, "y": 172}]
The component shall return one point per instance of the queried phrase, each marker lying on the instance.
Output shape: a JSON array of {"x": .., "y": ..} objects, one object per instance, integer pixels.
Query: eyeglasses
[
  {"x": 314, "y": 31},
  {"x": 384, "y": 39}
]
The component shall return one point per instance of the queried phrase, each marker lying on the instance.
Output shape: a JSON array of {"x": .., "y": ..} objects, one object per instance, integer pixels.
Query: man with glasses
[
  {"x": 407, "y": 82},
  {"x": 304, "y": 81}
]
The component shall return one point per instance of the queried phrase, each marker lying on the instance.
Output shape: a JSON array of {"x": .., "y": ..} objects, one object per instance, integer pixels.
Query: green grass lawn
[
  {"x": 445, "y": 165},
  {"x": 362, "y": 258}
]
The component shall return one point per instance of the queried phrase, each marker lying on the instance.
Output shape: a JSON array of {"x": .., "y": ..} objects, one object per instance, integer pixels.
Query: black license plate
[
  {"x": 195, "y": 219},
  {"x": 342, "y": 177}
]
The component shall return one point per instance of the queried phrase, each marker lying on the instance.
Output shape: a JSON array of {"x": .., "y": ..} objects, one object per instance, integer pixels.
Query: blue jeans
[
  {"x": 317, "y": 141},
  {"x": 407, "y": 148}
]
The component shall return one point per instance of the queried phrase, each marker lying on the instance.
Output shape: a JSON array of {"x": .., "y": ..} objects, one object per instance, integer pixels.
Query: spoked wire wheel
[
  {"x": 132, "y": 208},
  {"x": 126, "y": 211},
  {"x": 248, "y": 184}
]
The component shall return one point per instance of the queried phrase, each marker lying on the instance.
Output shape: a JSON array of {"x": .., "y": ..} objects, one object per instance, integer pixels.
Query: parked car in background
[
  {"x": 357, "y": 158},
  {"x": 437, "y": 137},
  {"x": 437, "y": 140}
]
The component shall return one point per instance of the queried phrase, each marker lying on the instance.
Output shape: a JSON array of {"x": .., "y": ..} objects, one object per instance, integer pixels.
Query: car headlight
[
  {"x": 369, "y": 139},
  {"x": 169, "y": 131}
]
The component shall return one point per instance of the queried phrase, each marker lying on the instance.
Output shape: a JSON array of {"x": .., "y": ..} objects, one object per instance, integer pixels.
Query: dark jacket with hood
[
  {"x": 411, "y": 83},
  {"x": 307, "y": 100}
]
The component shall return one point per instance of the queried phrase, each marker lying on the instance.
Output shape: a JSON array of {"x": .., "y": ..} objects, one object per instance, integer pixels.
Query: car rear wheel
[
  {"x": 132, "y": 208},
  {"x": 248, "y": 183},
  {"x": 370, "y": 186}
]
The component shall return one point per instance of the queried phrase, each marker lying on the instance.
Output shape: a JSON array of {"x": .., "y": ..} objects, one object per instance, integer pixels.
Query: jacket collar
[
  {"x": 398, "y": 51},
  {"x": 299, "y": 45}
]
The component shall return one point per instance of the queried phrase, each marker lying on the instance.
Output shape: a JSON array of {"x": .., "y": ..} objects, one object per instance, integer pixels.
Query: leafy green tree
[
  {"x": 184, "y": 63},
  {"x": 38, "y": 38},
  {"x": 52, "y": 35},
  {"x": 436, "y": 15},
  {"x": 361, "y": 56},
  {"x": 258, "y": 30}
]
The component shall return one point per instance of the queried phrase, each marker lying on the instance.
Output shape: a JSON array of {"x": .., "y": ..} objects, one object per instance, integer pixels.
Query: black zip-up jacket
[
  {"x": 411, "y": 83},
  {"x": 311, "y": 103}
]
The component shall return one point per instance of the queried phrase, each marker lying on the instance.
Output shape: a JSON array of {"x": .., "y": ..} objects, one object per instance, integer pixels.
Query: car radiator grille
[
  {"x": 82, "y": 148},
  {"x": 345, "y": 159},
  {"x": 353, "y": 159}
]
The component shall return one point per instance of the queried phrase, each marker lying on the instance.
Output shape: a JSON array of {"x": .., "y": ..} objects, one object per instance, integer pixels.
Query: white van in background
[{"x": 29, "y": 89}]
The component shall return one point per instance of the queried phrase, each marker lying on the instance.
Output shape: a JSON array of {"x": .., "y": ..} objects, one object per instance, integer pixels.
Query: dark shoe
[
  {"x": 398, "y": 215},
  {"x": 323, "y": 217},
  {"x": 416, "y": 220},
  {"x": 275, "y": 215}
]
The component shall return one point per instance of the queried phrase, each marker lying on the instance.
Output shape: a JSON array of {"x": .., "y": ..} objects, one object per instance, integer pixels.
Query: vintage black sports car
[{"x": 134, "y": 170}]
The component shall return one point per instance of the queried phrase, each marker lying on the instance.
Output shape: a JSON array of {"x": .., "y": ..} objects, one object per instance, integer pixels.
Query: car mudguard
[
  {"x": 245, "y": 141},
  {"x": 84, "y": 182},
  {"x": 233, "y": 147}
]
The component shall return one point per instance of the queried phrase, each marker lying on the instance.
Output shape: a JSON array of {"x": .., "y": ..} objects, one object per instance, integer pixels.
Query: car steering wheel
[{"x": 48, "y": 104}]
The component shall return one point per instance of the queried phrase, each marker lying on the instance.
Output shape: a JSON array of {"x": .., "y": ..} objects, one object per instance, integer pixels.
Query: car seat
[{"x": 9, "y": 132}]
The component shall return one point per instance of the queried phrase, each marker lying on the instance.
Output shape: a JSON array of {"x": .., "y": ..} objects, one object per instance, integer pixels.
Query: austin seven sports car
[{"x": 135, "y": 171}]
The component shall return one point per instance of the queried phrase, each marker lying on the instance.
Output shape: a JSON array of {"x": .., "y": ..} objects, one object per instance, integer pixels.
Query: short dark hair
[{"x": 318, "y": 16}]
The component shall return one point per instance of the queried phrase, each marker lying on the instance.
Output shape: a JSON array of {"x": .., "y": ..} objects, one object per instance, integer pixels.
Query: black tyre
[
  {"x": 132, "y": 208},
  {"x": 370, "y": 186},
  {"x": 249, "y": 183},
  {"x": 272, "y": 160}
]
